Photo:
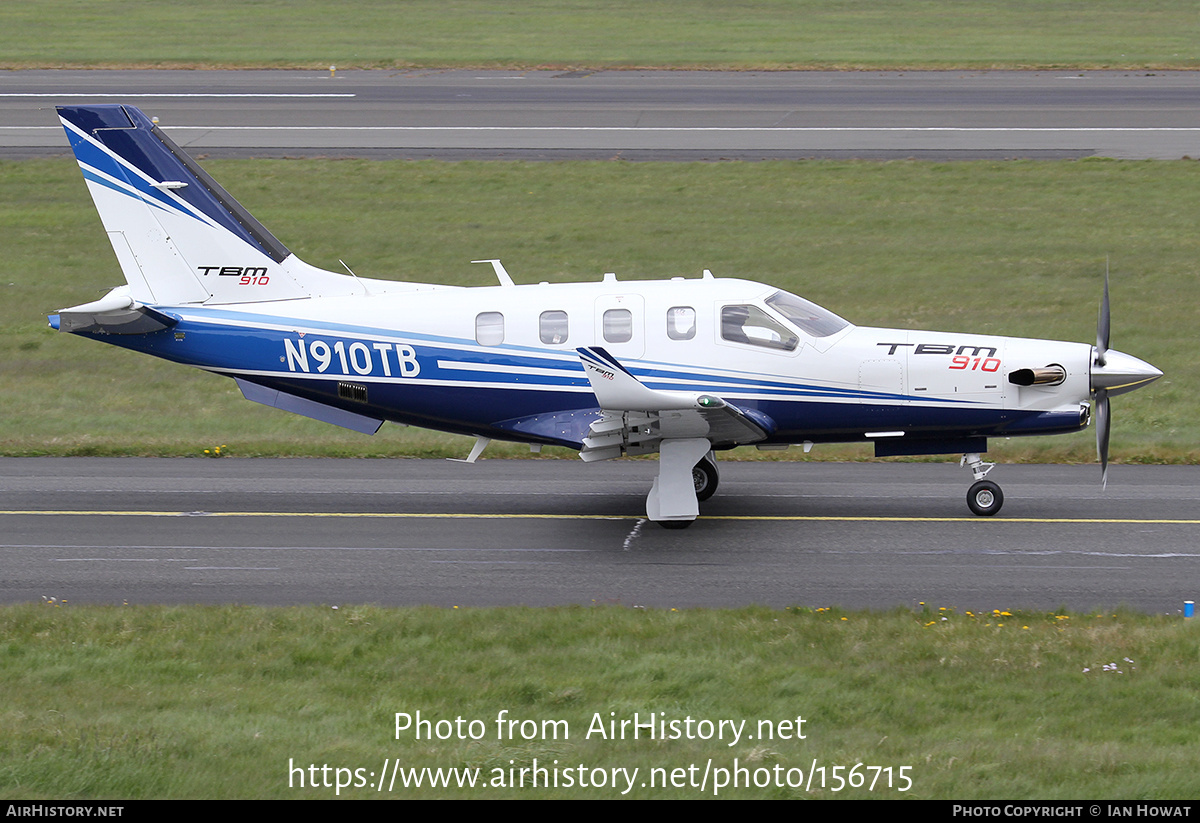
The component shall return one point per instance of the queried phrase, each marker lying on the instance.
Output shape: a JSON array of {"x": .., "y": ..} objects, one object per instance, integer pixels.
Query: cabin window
[
  {"x": 681, "y": 323},
  {"x": 552, "y": 327},
  {"x": 808, "y": 316},
  {"x": 489, "y": 328},
  {"x": 618, "y": 325},
  {"x": 750, "y": 324}
]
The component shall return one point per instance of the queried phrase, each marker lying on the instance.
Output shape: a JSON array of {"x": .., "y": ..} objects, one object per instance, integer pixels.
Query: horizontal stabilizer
[{"x": 115, "y": 313}]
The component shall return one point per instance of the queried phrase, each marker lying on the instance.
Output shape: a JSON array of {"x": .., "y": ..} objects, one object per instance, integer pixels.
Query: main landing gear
[
  {"x": 984, "y": 498},
  {"x": 687, "y": 474},
  {"x": 705, "y": 477}
]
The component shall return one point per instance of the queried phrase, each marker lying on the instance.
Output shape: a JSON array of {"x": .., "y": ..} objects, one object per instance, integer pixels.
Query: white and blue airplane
[{"x": 683, "y": 367}]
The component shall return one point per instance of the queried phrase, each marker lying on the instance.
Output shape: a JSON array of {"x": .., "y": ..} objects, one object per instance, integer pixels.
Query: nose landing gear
[{"x": 984, "y": 498}]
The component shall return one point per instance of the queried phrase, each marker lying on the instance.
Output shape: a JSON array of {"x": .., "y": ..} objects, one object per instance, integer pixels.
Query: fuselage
[{"x": 501, "y": 361}]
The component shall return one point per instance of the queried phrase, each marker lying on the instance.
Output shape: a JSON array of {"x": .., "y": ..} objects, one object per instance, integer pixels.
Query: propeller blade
[
  {"x": 1102, "y": 324},
  {"x": 1103, "y": 425},
  {"x": 1112, "y": 372}
]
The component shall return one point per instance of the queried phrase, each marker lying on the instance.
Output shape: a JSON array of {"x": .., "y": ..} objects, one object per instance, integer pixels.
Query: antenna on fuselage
[
  {"x": 366, "y": 291},
  {"x": 501, "y": 274}
]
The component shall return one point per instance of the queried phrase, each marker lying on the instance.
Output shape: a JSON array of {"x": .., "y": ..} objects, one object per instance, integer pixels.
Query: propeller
[
  {"x": 1100, "y": 393},
  {"x": 1113, "y": 372}
]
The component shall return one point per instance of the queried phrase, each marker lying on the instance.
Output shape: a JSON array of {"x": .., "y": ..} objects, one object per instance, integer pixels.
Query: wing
[{"x": 635, "y": 418}]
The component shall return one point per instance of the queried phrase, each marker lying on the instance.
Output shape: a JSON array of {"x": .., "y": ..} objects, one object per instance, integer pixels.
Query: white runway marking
[
  {"x": 697, "y": 129},
  {"x": 143, "y": 95},
  {"x": 704, "y": 129}
]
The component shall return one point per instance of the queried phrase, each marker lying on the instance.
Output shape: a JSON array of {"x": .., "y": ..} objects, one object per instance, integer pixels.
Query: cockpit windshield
[{"x": 810, "y": 317}]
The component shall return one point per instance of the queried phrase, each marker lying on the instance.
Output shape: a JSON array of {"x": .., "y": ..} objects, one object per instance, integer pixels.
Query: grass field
[
  {"x": 761, "y": 34},
  {"x": 123, "y": 702},
  {"x": 1001, "y": 247}
]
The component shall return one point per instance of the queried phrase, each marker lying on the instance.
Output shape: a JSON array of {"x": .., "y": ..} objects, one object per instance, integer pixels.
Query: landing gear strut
[
  {"x": 673, "y": 502},
  {"x": 984, "y": 498}
]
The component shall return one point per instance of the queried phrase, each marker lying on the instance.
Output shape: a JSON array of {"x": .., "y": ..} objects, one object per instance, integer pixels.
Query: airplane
[{"x": 684, "y": 368}]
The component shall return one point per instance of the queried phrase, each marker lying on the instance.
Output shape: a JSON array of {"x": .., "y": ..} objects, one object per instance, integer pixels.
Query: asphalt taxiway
[{"x": 539, "y": 532}]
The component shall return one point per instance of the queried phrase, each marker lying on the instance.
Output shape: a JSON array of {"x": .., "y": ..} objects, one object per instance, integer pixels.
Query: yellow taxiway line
[{"x": 511, "y": 516}]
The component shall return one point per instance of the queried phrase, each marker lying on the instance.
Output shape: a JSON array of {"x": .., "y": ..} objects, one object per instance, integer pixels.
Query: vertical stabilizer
[{"x": 179, "y": 237}]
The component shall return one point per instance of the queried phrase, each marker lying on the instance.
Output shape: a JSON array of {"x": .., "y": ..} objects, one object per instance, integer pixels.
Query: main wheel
[
  {"x": 985, "y": 498},
  {"x": 705, "y": 477},
  {"x": 674, "y": 524}
]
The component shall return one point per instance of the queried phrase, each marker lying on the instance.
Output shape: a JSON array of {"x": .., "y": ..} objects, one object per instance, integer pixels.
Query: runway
[
  {"x": 631, "y": 115},
  {"x": 542, "y": 532}
]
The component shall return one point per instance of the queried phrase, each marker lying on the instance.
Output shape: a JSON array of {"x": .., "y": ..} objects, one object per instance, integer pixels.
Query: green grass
[
  {"x": 1000, "y": 247},
  {"x": 712, "y": 34},
  {"x": 128, "y": 702}
]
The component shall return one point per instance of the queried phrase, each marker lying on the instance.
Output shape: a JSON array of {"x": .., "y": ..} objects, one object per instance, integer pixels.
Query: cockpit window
[
  {"x": 750, "y": 324},
  {"x": 810, "y": 317}
]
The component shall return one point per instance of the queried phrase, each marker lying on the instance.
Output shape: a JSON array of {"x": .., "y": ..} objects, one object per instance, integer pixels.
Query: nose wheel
[{"x": 984, "y": 498}]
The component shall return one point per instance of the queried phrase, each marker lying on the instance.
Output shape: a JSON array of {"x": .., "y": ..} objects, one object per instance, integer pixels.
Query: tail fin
[{"x": 180, "y": 237}]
